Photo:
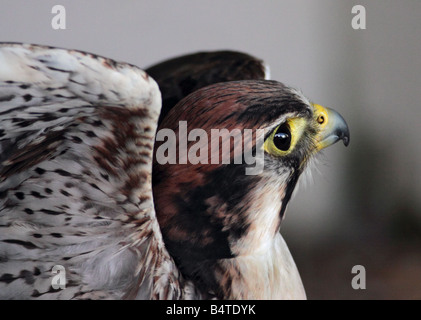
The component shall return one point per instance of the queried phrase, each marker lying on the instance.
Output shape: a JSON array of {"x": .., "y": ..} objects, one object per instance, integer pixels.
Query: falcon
[{"x": 80, "y": 187}]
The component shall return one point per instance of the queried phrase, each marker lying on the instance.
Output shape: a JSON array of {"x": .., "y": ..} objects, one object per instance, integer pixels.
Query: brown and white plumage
[
  {"x": 77, "y": 134},
  {"x": 180, "y": 76},
  {"x": 221, "y": 225},
  {"x": 77, "y": 138}
]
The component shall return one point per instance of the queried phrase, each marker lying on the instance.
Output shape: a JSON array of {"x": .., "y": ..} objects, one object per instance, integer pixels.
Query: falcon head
[{"x": 208, "y": 211}]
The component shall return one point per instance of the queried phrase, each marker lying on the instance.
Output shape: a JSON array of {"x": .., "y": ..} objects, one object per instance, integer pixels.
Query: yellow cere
[
  {"x": 296, "y": 127},
  {"x": 320, "y": 114}
]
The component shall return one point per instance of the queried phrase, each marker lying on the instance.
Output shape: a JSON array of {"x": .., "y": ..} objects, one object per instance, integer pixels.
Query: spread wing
[{"x": 76, "y": 143}]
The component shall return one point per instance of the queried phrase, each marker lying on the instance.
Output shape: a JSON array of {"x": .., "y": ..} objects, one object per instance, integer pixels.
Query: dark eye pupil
[{"x": 282, "y": 138}]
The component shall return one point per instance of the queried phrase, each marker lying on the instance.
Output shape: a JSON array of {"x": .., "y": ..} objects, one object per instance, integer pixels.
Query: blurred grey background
[{"x": 362, "y": 204}]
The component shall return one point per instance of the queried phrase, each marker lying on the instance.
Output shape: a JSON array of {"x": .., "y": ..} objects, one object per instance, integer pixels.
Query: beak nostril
[{"x": 321, "y": 119}]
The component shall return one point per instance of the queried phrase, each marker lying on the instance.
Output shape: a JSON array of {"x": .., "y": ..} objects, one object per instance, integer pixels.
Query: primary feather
[{"x": 74, "y": 182}]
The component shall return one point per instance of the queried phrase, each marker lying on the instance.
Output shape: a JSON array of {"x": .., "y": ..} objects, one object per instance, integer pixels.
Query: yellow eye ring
[{"x": 283, "y": 139}]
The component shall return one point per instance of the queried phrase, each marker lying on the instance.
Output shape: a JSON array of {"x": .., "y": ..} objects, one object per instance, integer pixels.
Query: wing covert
[{"x": 76, "y": 143}]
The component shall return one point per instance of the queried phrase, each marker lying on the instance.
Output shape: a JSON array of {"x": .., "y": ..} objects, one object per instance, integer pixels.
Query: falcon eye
[{"x": 282, "y": 138}]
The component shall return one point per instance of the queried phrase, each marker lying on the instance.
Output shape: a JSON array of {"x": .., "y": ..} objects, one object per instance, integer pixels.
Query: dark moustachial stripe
[
  {"x": 211, "y": 215},
  {"x": 288, "y": 192}
]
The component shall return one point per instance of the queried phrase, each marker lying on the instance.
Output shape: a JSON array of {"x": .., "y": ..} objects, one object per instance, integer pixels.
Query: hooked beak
[{"x": 332, "y": 127}]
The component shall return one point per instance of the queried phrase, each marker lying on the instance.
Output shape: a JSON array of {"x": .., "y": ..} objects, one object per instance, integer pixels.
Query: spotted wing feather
[{"x": 76, "y": 143}]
